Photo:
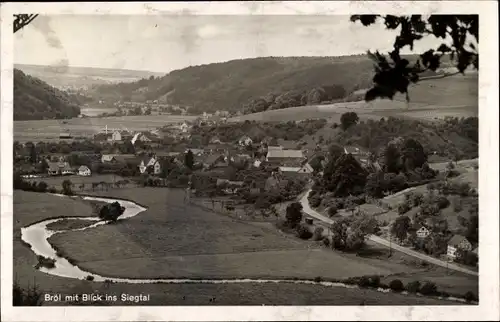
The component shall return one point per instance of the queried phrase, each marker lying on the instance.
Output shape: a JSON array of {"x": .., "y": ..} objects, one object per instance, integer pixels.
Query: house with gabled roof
[
  {"x": 456, "y": 243},
  {"x": 84, "y": 171},
  {"x": 422, "y": 231}
]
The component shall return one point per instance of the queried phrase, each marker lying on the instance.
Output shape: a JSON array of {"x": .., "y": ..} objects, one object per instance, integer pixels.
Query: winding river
[{"x": 37, "y": 235}]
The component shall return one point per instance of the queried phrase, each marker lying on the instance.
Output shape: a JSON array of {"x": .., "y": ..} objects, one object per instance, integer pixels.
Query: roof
[
  {"x": 269, "y": 148},
  {"x": 83, "y": 168},
  {"x": 211, "y": 159},
  {"x": 351, "y": 149},
  {"x": 167, "y": 154},
  {"x": 456, "y": 240},
  {"x": 285, "y": 154},
  {"x": 287, "y": 144},
  {"x": 53, "y": 166},
  {"x": 289, "y": 169}
]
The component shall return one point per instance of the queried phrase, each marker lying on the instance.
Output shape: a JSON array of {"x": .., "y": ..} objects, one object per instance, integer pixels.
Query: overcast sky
[{"x": 165, "y": 43}]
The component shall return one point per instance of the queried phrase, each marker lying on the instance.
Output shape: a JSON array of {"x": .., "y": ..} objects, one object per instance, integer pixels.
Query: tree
[
  {"x": 348, "y": 119},
  {"x": 375, "y": 185},
  {"x": 412, "y": 154},
  {"x": 32, "y": 151},
  {"x": 395, "y": 76},
  {"x": 111, "y": 212},
  {"x": 294, "y": 214},
  {"x": 392, "y": 159},
  {"x": 367, "y": 225},
  {"x": 400, "y": 227},
  {"x": 345, "y": 176},
  {"x": 22, "y": 20},
  {"x": 396, "y": 285},
  {"x": 66, "y": 186},
  {"x": 335, "y": 151},
  {"x": 189, "y": 159}
]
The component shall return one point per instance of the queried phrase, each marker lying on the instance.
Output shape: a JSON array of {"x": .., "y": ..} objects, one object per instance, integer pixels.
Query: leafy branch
[
  {"x": 393, "y": 74},
  {"x": 22, "y": 20}
]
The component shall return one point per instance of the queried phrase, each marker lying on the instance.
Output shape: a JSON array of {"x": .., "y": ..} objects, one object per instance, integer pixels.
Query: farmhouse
[
  {"x": 116, "y": 136},
  {"x": 66, "y": 169},
  {"x": 422, "y": 232},
  {"x": 84, "y": 171},
  {"x": 456, "y": 243}
]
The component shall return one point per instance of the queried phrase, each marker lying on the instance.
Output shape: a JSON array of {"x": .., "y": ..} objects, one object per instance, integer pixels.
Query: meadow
[
  {"x": 49, "y": 130},
  {"x": 166, "y": 240},
  {"x": 455, "y": 96}
]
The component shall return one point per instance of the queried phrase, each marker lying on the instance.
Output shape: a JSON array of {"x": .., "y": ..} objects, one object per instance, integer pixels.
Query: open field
[
  {"x": 57, "y": 181},
  {"x": 49, "y": 130},
  {"x": 453, "y": 96},
  {"x": 171, "y": 239},
  {"x": 31, "y": 207}
]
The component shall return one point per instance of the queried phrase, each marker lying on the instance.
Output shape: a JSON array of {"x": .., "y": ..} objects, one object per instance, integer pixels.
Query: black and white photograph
[{"x": 182, "y": 158}]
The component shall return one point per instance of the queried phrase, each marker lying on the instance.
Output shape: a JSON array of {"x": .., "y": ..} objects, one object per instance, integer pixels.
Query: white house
[
  {"x": 245, "y": 141},
  {"x": 456, "y": 243},
  {"x": 116, "y": 136},
  {"x": 107, "y": 158},
  {"x": 152, "y": 162},
  {"x": 84, "y": 171},
  {"x": 423, "y": 232},
  {"x": 184, "y": 127}
]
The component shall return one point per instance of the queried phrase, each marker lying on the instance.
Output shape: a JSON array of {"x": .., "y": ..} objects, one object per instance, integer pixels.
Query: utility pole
[{"x": 390, "y": 244}]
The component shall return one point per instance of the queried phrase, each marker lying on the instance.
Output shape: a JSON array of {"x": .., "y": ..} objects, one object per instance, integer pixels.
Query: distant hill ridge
[
  {"x": 251, "y": 85},
  {"x": 83, "y": 77}
]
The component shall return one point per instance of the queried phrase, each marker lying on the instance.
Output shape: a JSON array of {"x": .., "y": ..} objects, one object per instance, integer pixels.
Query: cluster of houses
[{"x": 455, "y": 244}]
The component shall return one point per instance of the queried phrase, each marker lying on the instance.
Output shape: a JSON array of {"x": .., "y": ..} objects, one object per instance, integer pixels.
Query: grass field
[
  {"x": 170, "y": 239},
  {"x": 453, "y": 96},
  {"x": 49, "y": 130},
  {"x": 131, "y": 239}
]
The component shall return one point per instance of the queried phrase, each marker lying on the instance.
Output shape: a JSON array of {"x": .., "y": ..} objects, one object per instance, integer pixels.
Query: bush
[
  {"x": 442, "y": 202},
  {"x": 429, "y": 288},
  {"x": 89, "y": 278},
  {"x": 403, "y": 208},
  {"x": 45, "y": 262},
  {"x": 111, "y": 211},
  {"x": 470, "y": 297},
  {"x": 364, "y": 281},
  {"x": 332, "y": 211},
  {"x": 413, "y": 287},
  {"x": 374, "y": 281},
  {"x": 303, "y": 232},
  {"x": 315, "y": 201},
  {"x": 318, "y": 279},
  {"x": 326, "y": 241},
  {"x": 318, "y": 233},
  {"x": 396, "y": 286}
]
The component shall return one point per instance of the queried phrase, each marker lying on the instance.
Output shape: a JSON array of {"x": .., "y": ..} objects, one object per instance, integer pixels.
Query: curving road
[{"x": 313, "y": 213}]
